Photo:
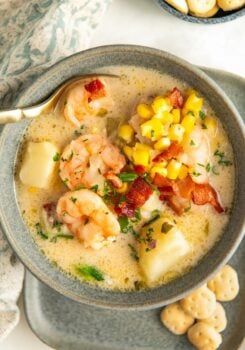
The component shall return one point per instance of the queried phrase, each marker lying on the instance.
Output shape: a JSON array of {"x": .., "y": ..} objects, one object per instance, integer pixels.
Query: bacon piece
[
  {"x": 184, "y": 188},
  {"x": 96, "y": 88},
  {"x": 139, "y": 169},
  {"x": 114, "y": 179},
  {"x": 176, "y": 98},
  {"x": 172, "y": 152},
  {"x": 139, "y": 192},
  {"x": 178, "y": 204},
  {"x": 203, "y": 194},
  {"x": 125, "y": 209}
]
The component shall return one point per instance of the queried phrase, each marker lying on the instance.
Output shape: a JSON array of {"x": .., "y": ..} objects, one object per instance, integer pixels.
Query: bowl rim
[
  {"x": 106, "y": 303},
  {"x": 230, "y": 16}
]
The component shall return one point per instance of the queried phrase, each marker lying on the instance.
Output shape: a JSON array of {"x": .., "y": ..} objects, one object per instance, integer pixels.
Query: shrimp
[
  {"x": 196, "y": 154},
  {"x": 88, "y": 160},
  {"x": 86, "y": 100},
  {"x": 88, "y": 217}
]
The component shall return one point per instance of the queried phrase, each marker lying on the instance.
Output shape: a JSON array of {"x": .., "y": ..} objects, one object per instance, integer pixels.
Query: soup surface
[{"x": 163, "y": 186}]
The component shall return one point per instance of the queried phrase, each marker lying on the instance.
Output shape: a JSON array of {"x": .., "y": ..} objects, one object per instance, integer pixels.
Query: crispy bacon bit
[
  {"x": 114, "y": 179},
  {"x": 203, "y": 194},
  {"x": 178, "y": 204},
  {"x": 172, "y": 152},
  {"x": 161, "y": 181},
  {"x": 125, "y": 209},
  {"x": 139, "y": 192},
  {"x": 184, "y": 188},
  {"x": 96, "y": 89},
  {"x": 139, "y": 169},
  {"x": 176, "y": 98}
]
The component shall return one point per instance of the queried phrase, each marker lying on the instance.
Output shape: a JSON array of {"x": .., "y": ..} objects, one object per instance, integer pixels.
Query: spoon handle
[{"x": 15, "y": 115}]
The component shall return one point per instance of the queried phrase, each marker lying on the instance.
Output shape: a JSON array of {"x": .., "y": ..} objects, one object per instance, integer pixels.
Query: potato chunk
[
  {"x": 38, "y": 165},
  {"x": 163, "y": 245}
]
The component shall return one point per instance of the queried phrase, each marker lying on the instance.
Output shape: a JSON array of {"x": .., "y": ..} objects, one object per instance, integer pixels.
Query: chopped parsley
[
  {"x": 71, "y": 156},
  {"x": 40, "y": 231},
  {"x": 187, "y": 209},
  {"x": 166, "y": 227},
  {"x": 77, "y": 133},
  {"x": 204, "y": 126},
  {"x": 80, "y": 187},
  {"x": 61, "y": 235},
  {"x": 191, "y": 113},
  {"x": 94, "y": 188},
  {"x": 202, "y": 115},
  {"x": 151, "y": 243},
  {"x": 73, "y": 199},
  {"x": 133, "y": 254},
  {"x": 89, "y": 272},
  {"x": 56, "y": 157},
  {"x": 222, "y": 160},
  {"x": 195, "y": 173},
  {"x": 192, "y": 143},
  {"x": 125, "y": 224},
  {"x": 127, "y": 177},
  {"x": 66, "y": 181},
  {"x": 155, "y": 215},
  {"x": 152, "y": 132},
  {"x": 65, "y": 102},
  {"x": 208, "y": 167},
  {"x": 202, "y": 165}
]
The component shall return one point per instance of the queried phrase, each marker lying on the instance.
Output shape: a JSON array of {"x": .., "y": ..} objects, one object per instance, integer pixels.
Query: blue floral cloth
[{"x": 34, "y": 34}]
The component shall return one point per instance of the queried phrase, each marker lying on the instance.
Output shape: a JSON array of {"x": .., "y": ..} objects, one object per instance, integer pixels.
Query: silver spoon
[{"x": 15, "y": 115}]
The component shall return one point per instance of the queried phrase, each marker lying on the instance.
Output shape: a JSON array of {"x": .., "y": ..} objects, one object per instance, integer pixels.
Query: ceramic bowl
[
  {"x": 220, "y": 17},
  {"x": 92, "y": 61}
]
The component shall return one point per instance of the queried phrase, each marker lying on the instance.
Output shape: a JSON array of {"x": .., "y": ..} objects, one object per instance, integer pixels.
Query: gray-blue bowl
[
  {"x": 91, "y": 61},
  {"x": 220, "y": 17}
]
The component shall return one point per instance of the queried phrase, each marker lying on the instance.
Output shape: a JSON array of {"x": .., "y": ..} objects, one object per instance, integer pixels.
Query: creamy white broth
[{"x": 201, "y": 226}]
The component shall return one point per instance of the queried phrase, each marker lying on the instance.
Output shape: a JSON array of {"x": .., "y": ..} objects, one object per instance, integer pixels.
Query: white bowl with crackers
[{"x": 205, "y": 11}]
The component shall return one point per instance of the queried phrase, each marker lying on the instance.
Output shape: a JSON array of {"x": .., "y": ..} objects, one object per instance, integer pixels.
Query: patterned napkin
[{"x": 35, "y": 34}]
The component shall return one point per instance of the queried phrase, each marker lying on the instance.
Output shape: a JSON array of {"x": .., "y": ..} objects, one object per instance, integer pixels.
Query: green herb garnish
[
  {"x": 195, "y": 173},
  {"x": 56, "y": 157},
  {"x": 77, "y": 133},
  {"x": 222, "y": 160},
  {"x": 125, "y": 224},
  {"x": 94, "y": 188},
  {"x": 166, "y": 227},
  {"x": 191, "y": 113},
  {"x": 127, "y": 177},
  {"x": 155, "y": 216},
  {"x": 77, "y": 188},
  {"x": 73, "y": 199},
  {"x": 192, "y": 143},
  {"x": 204, "y": 126},
  {"x": 208, "y": 167},
  {"x": 202, "y": 115},
  {"x": 40, "y": 231},
  {"x": 61, "y": 235},
  {"x": 66, "y": 181},
  {"x": 133, "y": 252},
  {"x": 90, "y": 272}
]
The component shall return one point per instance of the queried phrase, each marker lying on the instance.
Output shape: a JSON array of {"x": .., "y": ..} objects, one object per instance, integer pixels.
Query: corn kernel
[
  {"x": 126, "y": 132},
  {"x": 128, "y": 152},
  {"x": 183, "y": 172},
  {"x": 173, "y": 169},
  {"x": 159, "y": 170},
  {"x": 162, "y": 144},
  {"x": 193, "y": 103},
  {"x": 141, "y": 157},
  {"x": 176, "y": 115},
  {"x": 144, "y": 111},
  {"x": 165, "y": 117},
  {"x": 188, "y": 122},
  {"x": 161, "y": 164},
  {"x": 211, "y": 124},
  {"x": 123, "y": 189},
  {"x": 142, "y": 147},
  {"x": 161, "y": 104},
  {"x": 176, "y": 132},
  {"x": 152, "y": 129}
]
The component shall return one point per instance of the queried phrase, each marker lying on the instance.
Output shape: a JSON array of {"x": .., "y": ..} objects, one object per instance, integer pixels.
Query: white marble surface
[{"x": 143, "y": 22}]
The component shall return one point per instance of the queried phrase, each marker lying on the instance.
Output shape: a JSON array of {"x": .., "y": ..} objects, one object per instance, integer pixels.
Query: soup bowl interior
[{"x": 92, "y": 61}]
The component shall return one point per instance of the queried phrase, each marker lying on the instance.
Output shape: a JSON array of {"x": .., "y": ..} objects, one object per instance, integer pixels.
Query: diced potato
[
  {"x": 171, "y": 246},
  {"x": 153, "y": 203},
  {"x": 38, "y": 165}
]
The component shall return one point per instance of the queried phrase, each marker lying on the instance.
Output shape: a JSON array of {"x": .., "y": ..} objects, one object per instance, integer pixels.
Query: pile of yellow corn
[{"x": 162, "y": 124}]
